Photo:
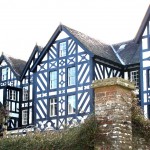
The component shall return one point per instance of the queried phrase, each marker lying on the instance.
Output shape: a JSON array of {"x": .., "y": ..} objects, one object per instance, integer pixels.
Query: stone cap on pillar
[{"x": 113, "y": 81}]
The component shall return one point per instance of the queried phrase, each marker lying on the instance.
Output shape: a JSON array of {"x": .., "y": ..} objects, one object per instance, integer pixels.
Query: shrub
[{"x": 81, "y": 137}]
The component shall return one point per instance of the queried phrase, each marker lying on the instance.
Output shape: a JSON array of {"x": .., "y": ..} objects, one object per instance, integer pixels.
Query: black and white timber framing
[{"x": 53, "y": 88}]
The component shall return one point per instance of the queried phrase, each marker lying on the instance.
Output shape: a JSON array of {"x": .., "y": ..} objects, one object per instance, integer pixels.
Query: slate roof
[
  {"x": 17, "y": 64},
  {"x": 128, "y": 51},
  {"x": 38, "y": 49},
  {"x": 97, "y": 47}
]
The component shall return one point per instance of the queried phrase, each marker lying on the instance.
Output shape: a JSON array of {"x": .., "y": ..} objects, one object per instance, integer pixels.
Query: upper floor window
[
  {"x": 62, "y": 49},
  {"x": 25, "y": 93},
  {"x": 53, "y": 79},
  {"x": 4, "y": 74},
  {"x": 71, "y": 104},
  {"x": 53, "y": 107},
  {"x": 24, "y": 117},
  {"x": 71, "y": 76},
  {"x": 134, "y": 76},
  {"x": 12, "y": 95}
]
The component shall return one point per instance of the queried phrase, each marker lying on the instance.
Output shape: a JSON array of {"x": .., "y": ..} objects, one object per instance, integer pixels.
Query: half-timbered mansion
[{"x": 53, "y": 88}]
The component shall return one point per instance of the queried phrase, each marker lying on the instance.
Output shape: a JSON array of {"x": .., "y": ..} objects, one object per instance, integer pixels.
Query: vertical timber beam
[{"x": 113, "y": 101}]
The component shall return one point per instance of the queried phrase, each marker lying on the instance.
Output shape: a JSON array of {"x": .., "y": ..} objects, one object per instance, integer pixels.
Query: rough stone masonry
[{"x": 113, "y": 101}]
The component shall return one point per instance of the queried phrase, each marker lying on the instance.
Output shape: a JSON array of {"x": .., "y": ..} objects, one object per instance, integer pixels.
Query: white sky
[{"x": 23, "y": 23}]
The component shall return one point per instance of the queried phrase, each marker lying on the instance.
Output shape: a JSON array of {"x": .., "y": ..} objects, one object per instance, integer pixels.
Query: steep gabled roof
[
  {"x": 143, "y": 25},
  {"x": 93, "y": 46},
  {"x": 36, "y": 49},
  {"x": 97, "y": 47},
  {"x": 128, "y": 51},
  {"x": 17, "y": 65}
]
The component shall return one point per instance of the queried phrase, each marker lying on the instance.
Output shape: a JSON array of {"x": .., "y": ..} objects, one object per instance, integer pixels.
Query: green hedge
[{"x": 81, "y": 137}]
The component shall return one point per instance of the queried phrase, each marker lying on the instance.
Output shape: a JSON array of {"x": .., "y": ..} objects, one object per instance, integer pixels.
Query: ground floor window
[
  {"x": 53, "y": 107},
  {"x": 71, "y": 104},
  {"x": 24, "y": 117}
]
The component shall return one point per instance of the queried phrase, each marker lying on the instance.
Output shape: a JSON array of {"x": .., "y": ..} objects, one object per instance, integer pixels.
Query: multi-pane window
[
  {"x": 25, "y": 93},
  {"x": 4, "y": 74},
  {"x": 53, "y": 79},
  {"x": 53, "y": 107},
  {"x": 24, "y": 117},
  {"x": 71, "y": 104},
  {"x": 12, "y": 95},
  {"x": 71, "y": 76},
  {"x": 62, "y": 49},
  {"x": 134, "y": 76}
]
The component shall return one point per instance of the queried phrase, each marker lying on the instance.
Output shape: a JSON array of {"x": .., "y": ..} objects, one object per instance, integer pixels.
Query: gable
[
  {"x": 142, "y": 27},
  {"x": 16, "y": 65}
]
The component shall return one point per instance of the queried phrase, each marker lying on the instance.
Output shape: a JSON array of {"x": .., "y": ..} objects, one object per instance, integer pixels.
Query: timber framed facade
[{"x": 53, "y": 88}]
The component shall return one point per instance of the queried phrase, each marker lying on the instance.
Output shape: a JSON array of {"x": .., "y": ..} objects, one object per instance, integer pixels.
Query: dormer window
[
  {"x": 4, "y": 74},
  {"x": 62, "y": 49}
]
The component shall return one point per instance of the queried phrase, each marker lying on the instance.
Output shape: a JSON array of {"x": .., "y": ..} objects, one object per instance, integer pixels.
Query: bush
[{"x": 81, "y": 137}]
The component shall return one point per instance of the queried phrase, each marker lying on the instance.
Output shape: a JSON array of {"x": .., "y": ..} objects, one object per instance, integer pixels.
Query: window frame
[
  {"x": 62, "y": 49},
  {"x": 71, "y": 76},
  {"x": 69, "y": 105},
  {"x": 25, "y": 94},
  {"x": 25, "y": 117},
  {"x": 12, "y": 95},
  {"x": 4, "y": 74},
  {"x": 52, "y": 81},
  {"x": 53, "y": 105},
  {"x": 135, "y": 77}
]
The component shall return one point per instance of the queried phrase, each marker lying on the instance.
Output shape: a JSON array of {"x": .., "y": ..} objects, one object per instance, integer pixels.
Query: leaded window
[
  {"x": 53, "y": 107},
  {"x": 71, "y": 104},
  {"x": 25, "y": 93},
  {"x": 71, "y": 76},
  {"x": 24, "y": 117},
  {"x": 4, "y": 74},
  {"x": 134, "y": 76},
  {"x": 53, "y": 79},
  {"x": 12, "y": 95},
  {"x": 62, "y": 49}
]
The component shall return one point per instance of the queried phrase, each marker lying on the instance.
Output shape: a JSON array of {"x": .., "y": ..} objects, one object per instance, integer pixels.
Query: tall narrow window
[
  {"x": 71, "y": 76},
  {"x": 25, "y": 93},
  {"x": 71, "y": 104},
  {"x": 4, "y": 74},
  {"x": 53, "y": 107},
  {"x": 12, "y": 95},
  {"x": 24, "y": 117},
  {"x": 53, "y": 79},
  {"x": 62, "y": 49},
  {"x": 30, "y": 115},
  {"x": 134, "y": 76},
  {"x": 148, "y": 77}
]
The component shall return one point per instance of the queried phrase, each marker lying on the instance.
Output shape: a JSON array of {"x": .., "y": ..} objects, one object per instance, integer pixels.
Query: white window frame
[
  {"x": 62, "y": 49},
  {"x": 25, "y": 94},
  {"x": 4, "y": 73},
  {"x": 53, "y": 107},
  {"x": 134, "y": 77},
  {"x": 12, "y": 94},
  {"x": 71, "y": 76},
  {"x": 53, "y": 79},
  {"x": 24, "y": 117},
  {"x": 71, "y": 104}
]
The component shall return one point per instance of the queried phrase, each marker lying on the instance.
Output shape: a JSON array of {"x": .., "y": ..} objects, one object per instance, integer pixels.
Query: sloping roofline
[
  {"x": 11, "y": 63},
  {"x": 143, "y": 25},
  {"x": 36, "y": 48},
  {"x": 70, "y": 32}
]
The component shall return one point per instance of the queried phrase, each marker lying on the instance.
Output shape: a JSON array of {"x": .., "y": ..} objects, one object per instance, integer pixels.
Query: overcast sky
[{"x": 23, "y": 23}]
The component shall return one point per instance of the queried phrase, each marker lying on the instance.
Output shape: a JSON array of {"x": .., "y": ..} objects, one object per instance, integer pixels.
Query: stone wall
[{"x": 113, "y": 110}]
